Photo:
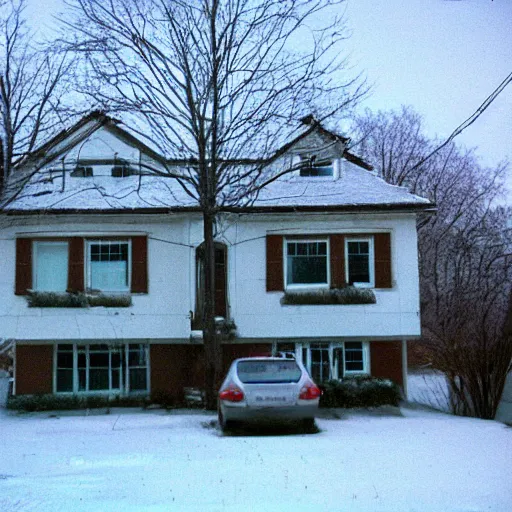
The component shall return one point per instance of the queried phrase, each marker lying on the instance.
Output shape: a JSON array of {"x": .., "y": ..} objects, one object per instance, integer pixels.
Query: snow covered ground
[
  {"x": 429, "y": 388},
  {"x": 156, "y": 461}
]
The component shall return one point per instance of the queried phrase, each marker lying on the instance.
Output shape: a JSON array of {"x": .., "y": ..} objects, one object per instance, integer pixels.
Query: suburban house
[{"x": 323, "y": 263}]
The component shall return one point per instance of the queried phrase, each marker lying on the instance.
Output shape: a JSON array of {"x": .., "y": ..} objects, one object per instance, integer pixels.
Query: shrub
[
  {"x": 346, "y": 295},
  {"x": 32, "y": 403},
  {"x": 361, "y": 391},
  {"x": 56, "y": 300},
  {"x": 110, "y": 301},
  {"x": 77, "y": 300}
]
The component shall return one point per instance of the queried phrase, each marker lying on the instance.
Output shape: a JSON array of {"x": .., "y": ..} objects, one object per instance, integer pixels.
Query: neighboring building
[{"x": 89, "y": 221}]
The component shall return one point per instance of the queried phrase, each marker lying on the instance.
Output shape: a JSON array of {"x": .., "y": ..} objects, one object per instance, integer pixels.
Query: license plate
[{"x": 271, "y": 399}]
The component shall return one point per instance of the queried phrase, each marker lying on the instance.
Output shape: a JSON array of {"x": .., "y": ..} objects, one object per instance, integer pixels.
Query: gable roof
[{"x": 356, "y": 188}]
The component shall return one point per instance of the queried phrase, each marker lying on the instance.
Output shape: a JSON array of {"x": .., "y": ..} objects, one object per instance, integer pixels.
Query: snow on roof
[
  {"x": 355, "y": 186},
  {"x": 51, "y": 189}
]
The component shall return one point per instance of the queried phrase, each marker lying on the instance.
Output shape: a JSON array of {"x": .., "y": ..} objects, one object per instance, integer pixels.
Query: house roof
[{"x": 355, "y": 189}]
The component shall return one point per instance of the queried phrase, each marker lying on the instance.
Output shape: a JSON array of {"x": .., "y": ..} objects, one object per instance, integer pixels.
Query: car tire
[
  {"x": 225, "y": 425},
  {"x": 309, "y": 424}
]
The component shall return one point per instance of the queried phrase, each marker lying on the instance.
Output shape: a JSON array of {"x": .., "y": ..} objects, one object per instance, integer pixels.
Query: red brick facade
[
  {"x": 386, "y": 360},
  {"x": 34, "y": 369}
]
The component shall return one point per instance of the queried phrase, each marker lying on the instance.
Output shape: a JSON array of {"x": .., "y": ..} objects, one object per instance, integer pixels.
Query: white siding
[{"x": 164, "y": 313}]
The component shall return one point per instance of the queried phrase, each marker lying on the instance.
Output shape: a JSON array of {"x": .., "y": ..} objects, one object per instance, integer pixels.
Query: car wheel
[
  {"x": 225, "y": 425},
  {"x": 308, "y": 424}
]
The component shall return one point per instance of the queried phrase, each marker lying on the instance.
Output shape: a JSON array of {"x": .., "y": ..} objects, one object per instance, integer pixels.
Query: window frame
[
  {"x": 89, "y": 242},
  {"x": 303, "y": 158},
  {"x": 333, "y": 367},
  {"x": 371, "y": 261},
  {"x": 124, "y": 381},
  {"x": 39, "y": 243},
  {"x": 306, "y": 286}
]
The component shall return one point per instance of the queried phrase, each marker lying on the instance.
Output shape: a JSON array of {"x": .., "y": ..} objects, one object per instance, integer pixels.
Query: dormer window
[
  {"x": 82, "y": 171},
  {"x": 121, "y": 171},
  {"x": 314, "y": 167}
]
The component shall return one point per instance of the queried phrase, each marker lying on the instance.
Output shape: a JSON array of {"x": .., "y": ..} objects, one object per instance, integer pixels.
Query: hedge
[
  {"x": 361, "y": 391},
  {"x": 336, "y": 296},
  {"x": 45, "y": 402}
]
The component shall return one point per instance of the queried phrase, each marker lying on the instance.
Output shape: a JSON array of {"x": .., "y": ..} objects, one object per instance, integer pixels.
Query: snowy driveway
[{"x": 156, "y": 461}]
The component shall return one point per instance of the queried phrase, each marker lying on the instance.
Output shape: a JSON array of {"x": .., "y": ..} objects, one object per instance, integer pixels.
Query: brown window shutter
[
  {"x": 76, "y": 264},
  {"x": 382, "y": 251},
  {"x": 139, "y": 264},
  {"x": 337, "y": 249},
  {"x": 23, "y": 266},
  {"x": 275, "y": 281}
]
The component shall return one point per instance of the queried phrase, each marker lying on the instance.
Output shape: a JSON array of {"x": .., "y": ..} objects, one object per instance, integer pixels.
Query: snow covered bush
[
  {"x": 346, "y": 295},
  {"x": 361, "y": 391},
  {"x": 43, "y": 402},
  {"x": 77, "y": 300}
]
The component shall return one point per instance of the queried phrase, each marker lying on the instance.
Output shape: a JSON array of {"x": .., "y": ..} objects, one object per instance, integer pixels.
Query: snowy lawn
[{"x": 158, "y": 461}]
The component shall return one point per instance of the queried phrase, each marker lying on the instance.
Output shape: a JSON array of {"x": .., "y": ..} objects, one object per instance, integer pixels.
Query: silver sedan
[{"x": 267, "y": 388}]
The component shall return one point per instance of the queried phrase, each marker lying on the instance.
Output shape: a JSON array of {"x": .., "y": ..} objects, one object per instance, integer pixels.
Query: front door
[{"x": 220, "y": 284}]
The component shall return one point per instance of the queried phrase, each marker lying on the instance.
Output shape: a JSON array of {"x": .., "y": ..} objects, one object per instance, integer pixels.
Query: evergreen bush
[
  {"x": 346, "y": 295},
  {"x": 364, "y": 391}
]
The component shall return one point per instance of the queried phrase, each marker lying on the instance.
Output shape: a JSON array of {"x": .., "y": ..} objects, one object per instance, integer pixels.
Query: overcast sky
[{"x": 444, "y": 57}]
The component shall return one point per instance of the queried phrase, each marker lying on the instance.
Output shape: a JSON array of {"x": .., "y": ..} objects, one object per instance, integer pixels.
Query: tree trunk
[{"x": 212, "y": 347}]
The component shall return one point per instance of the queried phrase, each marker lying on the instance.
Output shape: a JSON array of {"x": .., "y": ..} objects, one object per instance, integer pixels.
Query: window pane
[
  {"x": 64, "y": 380},
  {"x": 108, "y": 266},
  {"x": 51, "y": 266},
  {"x": 137, "y": 355},
  {"x": 65, "y": 360},
  {"x": 138, "y": 380},
  {"x": 253, "y": 372},
  {"x": 358, "y": 262},
  {"x": 98, "y": 359},
  {"x": 115, "y": 379},
  {"x": 98, "y": 379},
  {"x": 317, "y": 170},
  {"x": 81, "y": 379},
  {"x": 306, "y": 263},
  {"x": 354, "y": 356},
  {"x": 320, "y": 365}
]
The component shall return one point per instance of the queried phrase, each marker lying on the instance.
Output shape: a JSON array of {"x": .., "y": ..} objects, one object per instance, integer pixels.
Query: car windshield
[{"x": 268, "y": 372}]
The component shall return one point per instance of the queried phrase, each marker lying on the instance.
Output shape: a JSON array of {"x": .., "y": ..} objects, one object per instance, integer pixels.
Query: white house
[{"x": 94, "y": 230}]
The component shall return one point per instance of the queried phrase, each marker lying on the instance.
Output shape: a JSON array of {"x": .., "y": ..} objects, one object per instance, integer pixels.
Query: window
[
  {"x": 354, "y": 358},
  {"x": 108, "y": 265},
  {"x": 50, "y": 266},
  {"x": 360, "y": 262},
  {"x": 335, "y": 360},
  {"x": 320, "y": 362},
  {"x": 307, "y": 263},
  {"x": 101, "y": 368},
  {"x": 314, "y": 168}
]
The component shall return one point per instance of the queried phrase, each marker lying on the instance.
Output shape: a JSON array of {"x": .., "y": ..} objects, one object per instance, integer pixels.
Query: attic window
[
  {"x": 315, "y": 167},
  {"x": 82, "y": 172},
  {"x": 121, "y": 171}
]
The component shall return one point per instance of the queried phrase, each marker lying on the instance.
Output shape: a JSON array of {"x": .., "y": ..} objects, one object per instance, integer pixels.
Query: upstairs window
[
  {"x": 108, "y": 265},
  {"x": 314, "y": 167},
  {"x": 50, "y": 266},
  {"x": 82, "y": 171},
  {"x": 307, "y": 263},
  {"x": 360, "y": 262}
]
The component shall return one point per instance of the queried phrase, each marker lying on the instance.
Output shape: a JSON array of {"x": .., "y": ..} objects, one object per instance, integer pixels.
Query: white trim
[
  {"x": 14, "y": 363},
  {"x": 404, "y": 368},
  {"x": 306, "y": 286},
  {"x": 87, "y": 262},
  {"x": 124, "y": 368},
  {"x": 333, "y": 368},
  {"x": 371, "y": 260}
]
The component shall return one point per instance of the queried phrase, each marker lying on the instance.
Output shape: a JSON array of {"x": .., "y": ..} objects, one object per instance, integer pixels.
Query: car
[{"x": 267, "y": 388}]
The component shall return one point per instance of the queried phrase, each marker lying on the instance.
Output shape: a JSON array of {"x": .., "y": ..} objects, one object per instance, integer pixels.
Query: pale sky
[{"x": 443, "y": 57}]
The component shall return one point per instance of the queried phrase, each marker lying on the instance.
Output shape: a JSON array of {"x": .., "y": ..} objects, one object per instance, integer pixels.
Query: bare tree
[
  {"x": 218, "y": 83},
  {"x": 31, "y": 89},
  {"x": 465, "y": 260}
]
